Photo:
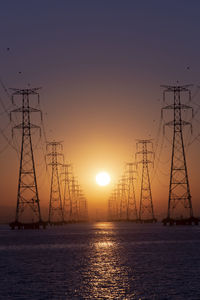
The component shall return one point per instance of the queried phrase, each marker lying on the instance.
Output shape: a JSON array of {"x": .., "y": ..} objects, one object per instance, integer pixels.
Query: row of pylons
[
  {"x": 122, "y": 203},
  {"x": 72, "y": 206},
  {"x": 67, "y": 207}
]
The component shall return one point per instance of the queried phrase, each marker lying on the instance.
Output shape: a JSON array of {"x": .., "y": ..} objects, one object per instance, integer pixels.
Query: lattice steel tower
[
  {"x": 55, "y": 203},
  {"x": 146, "y": 210},
  {"x": 75, "y": 192},
  {"x": 132, "y": 213},
  {"x": 28, "y": 203},
  {"x": 179, "y": 201},
  {"x": 83, "y": 210},
  {"x": 113, "y": 213},
  {"x": 123, "y": 198},
  {"x": 67, "y": 195}
]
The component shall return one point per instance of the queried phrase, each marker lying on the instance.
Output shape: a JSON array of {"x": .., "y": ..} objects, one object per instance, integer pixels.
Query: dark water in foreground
[{"x": 101, "y": 261}]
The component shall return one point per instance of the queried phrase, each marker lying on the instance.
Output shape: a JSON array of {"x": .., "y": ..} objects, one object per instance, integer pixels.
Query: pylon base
[
  {"x": 58, "y": 223},
  {"x": 34, "y": 225},
  {"x": 185, "y": 221},
  {"x": 143, "y": 221}
]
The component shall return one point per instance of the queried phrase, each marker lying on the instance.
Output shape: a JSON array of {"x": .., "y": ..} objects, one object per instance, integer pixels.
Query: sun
[{"x": 103, "y": 178}]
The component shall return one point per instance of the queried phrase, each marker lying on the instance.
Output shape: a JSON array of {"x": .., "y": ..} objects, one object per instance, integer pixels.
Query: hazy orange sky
[{"x": 100, "y": 65}]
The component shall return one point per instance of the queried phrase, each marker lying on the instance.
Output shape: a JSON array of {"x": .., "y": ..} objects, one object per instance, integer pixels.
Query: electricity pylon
[
  {"x": 132, "y": 214},
  {"x": 113, "y": 212},
  {"x": 67, "y": 196},
  {"x": 110, "y": 208},
  {"x": 123, "y": 198},
  {"x": 83, "y": 210},
  {"x": 119, "y": 196},
  {"x": 28, "y": 202},
  {"x": 77, "y": 201},
  {"x": 115, "y": 203},
  {"x": 74, "y": 202},
  {"x": 146, "y": 210},
  {"x": 75, "y": 195},
  {"x": 56, "y": 215},
  {"x": 179, "y": 201}
]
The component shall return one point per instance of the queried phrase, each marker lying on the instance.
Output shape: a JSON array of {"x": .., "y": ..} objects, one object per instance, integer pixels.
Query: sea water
[{"x": 100, "y": 261}]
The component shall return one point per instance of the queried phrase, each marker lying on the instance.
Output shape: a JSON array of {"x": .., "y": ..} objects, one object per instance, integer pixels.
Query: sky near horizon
[{"x": 100, "y": 65}]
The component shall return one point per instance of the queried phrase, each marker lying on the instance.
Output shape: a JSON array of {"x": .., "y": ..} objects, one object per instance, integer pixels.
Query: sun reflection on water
[
  {"x": 106, "y": 277},
  {"x": 104, "y": 244}
]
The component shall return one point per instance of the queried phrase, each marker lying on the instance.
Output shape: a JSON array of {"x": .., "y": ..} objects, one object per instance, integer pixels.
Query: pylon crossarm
[
  {"x": 172, "y": 88},
  {"x": 170, "y": 123},
  {"x": 167, "y": 107},
  {"x": 145, "y": 161}
]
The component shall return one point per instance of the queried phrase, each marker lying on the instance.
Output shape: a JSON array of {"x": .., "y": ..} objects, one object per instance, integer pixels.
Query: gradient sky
[{"x": 100, "y": 64}]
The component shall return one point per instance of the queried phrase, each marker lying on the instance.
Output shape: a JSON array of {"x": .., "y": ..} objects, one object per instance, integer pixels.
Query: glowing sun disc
[{"x": 103, "y": 178}]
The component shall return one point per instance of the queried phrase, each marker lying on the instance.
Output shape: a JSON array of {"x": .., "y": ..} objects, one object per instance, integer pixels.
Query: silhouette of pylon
[
  {"x": 123, "y": 198},
  {"x": 28, "y": 203},
  {"x": 179, "y": 202},
  {"x": 75, "y": 195},
  {"x": 146, "y": 209},
  {"x": 113, "y": 212},
  {"x": 67, "y": 195},
  {"x": 132, "y": 213},
  {"x": 55, "y": 202},
  {"x": 83, "y": 209}
]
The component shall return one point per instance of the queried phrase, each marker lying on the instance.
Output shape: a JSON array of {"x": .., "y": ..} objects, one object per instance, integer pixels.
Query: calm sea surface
[{"x": 101, "y": 261}]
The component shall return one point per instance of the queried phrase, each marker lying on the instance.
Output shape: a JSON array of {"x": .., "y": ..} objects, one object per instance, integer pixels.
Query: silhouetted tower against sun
[
  {"x": 67, "y": 195},
  {"x": 75, "y": 198},
  {"x": 119, "y": 195},
  {"x": 83, "y": 210},
  {"x": 179, "y": 201},
  {"x": 115, "y": 204},
  {"x": 113, "y": 212},
  {"x": 145, "y": 151},
  {"x": 131, "y": 199},
  {"x": 56, "y": 215},
  {"x": 123, "y": 198},
  {"x": 110, "y": 208},
  {"x": 28, "y": 203}
]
